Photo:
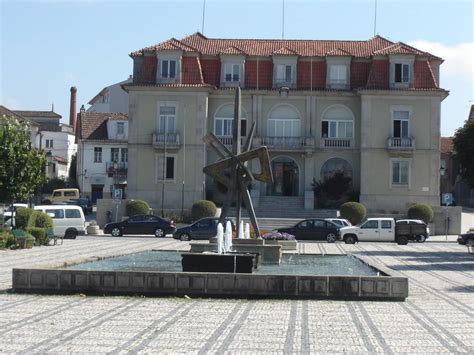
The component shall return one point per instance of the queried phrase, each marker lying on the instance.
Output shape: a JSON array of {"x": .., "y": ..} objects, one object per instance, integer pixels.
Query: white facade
[{"x": 111, "y": 99}]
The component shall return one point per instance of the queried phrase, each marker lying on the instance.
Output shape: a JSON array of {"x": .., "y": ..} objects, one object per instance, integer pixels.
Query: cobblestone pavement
[{"x": 437, "y": 317}]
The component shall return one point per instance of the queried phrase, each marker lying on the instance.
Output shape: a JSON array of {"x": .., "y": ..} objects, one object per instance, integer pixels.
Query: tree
[
  {"x": 21, "y": 167},
  {"x": 73, "y": 171},
  {"x": 464, "y": 151},
  {"x": 333, "y": 190}
]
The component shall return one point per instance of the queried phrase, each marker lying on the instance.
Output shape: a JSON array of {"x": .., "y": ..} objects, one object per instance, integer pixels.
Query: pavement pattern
[{"x": 437, "y": 317}]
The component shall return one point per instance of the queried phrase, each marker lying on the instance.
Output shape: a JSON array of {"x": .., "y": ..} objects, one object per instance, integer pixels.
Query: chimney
[{"x": 72, "y": 109}]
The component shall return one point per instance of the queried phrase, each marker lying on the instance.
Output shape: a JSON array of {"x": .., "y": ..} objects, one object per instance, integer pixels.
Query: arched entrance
[{"x": 285, "y": 177}]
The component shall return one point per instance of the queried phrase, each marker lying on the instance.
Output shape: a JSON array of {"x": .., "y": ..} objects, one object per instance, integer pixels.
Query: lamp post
[{"x": 115, "y": 166}]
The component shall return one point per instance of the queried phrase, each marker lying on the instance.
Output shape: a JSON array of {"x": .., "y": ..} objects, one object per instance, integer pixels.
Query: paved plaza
[{"x": 437, "y": 317}]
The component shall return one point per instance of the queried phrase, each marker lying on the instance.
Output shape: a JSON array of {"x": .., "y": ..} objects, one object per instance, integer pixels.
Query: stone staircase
[{"x": 282, "y": 211}]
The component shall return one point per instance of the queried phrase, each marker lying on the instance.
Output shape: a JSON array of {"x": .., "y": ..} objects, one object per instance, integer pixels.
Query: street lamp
[{"x": 115, "y": 165}]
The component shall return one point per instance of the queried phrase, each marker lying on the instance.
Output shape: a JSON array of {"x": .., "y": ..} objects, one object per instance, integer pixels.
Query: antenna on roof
[
  {"x": 283, "y": 21},
  {"x": 375, "y": 19},
  {"x": 203, "y": 14},
  {"x": 52, "y": 107}
]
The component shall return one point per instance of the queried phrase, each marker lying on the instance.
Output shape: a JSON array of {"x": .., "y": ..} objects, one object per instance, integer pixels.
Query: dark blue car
[{"x": 314, "y": 229}]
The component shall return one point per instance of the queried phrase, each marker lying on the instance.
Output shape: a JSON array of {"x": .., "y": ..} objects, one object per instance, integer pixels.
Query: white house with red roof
[
  {"x": 369, "y": 108},
  {"x": 102, "y": 158},
  {"x": 112, "y": 98}
]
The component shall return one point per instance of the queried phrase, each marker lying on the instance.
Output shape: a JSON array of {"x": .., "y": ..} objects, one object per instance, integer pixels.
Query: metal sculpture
[{"x": 232, "y": 171}]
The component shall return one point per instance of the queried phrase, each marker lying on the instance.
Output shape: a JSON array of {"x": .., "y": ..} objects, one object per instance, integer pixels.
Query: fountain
[{"x": 224, "y": 267}]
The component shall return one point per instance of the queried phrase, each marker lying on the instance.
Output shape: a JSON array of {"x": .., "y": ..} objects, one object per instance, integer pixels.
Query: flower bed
[{"x": 278, "y": 236}]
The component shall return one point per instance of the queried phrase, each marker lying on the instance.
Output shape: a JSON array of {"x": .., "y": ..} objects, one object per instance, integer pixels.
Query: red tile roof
[
  {"x": 266, "y": 47},
  {"x": 232, "y": 50},
  {"x": 338, "y": 52},
  {"x": 284, "y": 51},
  {"x": 32, "y": 114},
  {"x": 446, "y": 144},
  {"x": 7, "y": 112},
  {"x": 93, "y": 125}
]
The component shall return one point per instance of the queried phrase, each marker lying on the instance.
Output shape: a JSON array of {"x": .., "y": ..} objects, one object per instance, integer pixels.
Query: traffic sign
[
  {"x": 447, "y": 199},
  {"x": 117, "y": 194}
]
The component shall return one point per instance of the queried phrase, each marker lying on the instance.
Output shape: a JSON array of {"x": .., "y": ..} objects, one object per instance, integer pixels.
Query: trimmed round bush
[
  {"x": 203, "y": 208},
  {"x": 43, "y": 220},
  {"x": 135, "y": 207},
  {"x": 421, "y": 211},
  {"x": 22, "y": 217},
  {"x": 39, "y": 234},
  {"x": 355, "y": 212}
]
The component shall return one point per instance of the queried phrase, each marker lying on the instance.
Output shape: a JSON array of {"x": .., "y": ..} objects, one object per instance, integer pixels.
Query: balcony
[
  {"x": 401, "y": 143},
  {"x": 122, "y": 168},
  {"x": 228, "y": 140},
  {"x": 337, "y": 143},
  {"x": 171, "y": 140},
  {"x": 285, "y": 143}
]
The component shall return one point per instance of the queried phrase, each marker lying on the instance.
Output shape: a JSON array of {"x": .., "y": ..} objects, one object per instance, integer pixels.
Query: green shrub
[
  {"x": 42, "y": 220},
  {"x": 7, "y": 240},
  {"x": 22, "y": 217},
  {"x": 353, "y": 211},
  {"x": 39, "y": 234},
  {"x": 203, "y": 208},
  {"x": 421, "y": 211},
  {"x": 135, "y": 207}
]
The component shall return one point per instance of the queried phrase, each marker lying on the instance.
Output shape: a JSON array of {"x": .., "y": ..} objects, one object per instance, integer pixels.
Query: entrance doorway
[
  {"x": 285, "y": 177},
  {"x": 97, "y": 192}
]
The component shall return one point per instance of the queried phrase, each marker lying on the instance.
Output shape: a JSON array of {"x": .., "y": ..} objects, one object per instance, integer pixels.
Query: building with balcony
[
  {"x": 319, "y": 106},
  {"x": 102, "y": 158}
]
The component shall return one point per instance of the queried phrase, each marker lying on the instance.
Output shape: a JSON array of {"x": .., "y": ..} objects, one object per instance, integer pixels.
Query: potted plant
[{"x": 286, "y": 240}]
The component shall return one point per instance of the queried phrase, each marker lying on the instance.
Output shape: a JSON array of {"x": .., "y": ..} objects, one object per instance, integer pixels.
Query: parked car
[
  {"x": 467, "y": 238},
  {"x": 416, "y": 229},
  {"x": 204, "y": 228},
  {"x": 339, "y": 222},
  {"x": 84, "y": 203},
  {"x": 141, "y": 224},
  {"x": 383, "y": 230},
  {"x": 314, "y": 229},
  {"x": 68, "y": 221},
  {"x": 59, "y": 195}
]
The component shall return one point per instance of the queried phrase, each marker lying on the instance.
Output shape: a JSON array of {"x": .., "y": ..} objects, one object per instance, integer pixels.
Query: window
[
  {"x": 169, "y": 172},
  {"x": 284, "y": 73},
  {"x": 400, "y": 171},
  {"x": 224, "y": 119},
  {"x": 319, "y": 224},
  {"x": 334, "y": 165},
  {"x": 97, "y": 155},
  {"x": 55, "y": 213},
  {"x": 114, "y": 154},
  {"x": 338, "y": 74},
  {"x": 54, "y": 167},
  {"x": 402, "y": 73},
  {"x": 401, "y": 124},
  {"x": 168, "y": 69},
  {"x": 73, "y": 214},
  {"x": 232, "y": 72},
  {"x": 305, "y": 224},
  {"x": 120, "y": 128},
  {"x": 370, "y": 225},
  {"x": 284, "y": 121},
  {"x": 337, "y": 129},
  {"x": 386, "y": 224},
  {"x": 167, "y": 122},
  {"x": 124, "y": 155},
  {"x": 69, "y": 193},
  {"x": 49, "y": 143},
  {"x": 57, "y": 194}
]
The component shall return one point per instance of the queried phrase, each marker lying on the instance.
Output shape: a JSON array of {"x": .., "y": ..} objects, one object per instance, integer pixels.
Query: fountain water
[
  {"x": 220, "y": 238},
  {"x": 240, "y": 234},
  {"x": 247, "y": 231},
  {"x": 228, "y": 237}
]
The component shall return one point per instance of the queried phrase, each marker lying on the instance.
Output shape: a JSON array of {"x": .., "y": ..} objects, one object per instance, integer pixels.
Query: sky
[{"x": 47, "y": 46}]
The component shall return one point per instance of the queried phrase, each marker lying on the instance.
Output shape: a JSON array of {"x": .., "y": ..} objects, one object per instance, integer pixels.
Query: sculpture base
[{"x": 228, "y": 263}]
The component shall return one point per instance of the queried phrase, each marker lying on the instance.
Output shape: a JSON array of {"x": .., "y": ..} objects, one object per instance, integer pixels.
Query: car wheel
[
  {"x": 116, "y": 232},
  {"x": 350, "y": 239},
  {"x": 70, "y": 234},
  {"x": 402, "y": 240},
  {"x": 331, "y": 238},
  {"x": 159, "y": 233},
  {"x": 184, "y": 237},
  {"x": 420, "y": 238}
]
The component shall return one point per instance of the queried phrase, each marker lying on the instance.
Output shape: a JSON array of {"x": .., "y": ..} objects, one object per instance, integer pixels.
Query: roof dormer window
[
  {"x": 402, "y": 73},
  {"x": 401, "y": 70},
  {"x": 284, "y": 74},
  {"x": 168, "y": 69},
  {"x": 232, "y": 72},
  {"x": 338, "y": 72}
]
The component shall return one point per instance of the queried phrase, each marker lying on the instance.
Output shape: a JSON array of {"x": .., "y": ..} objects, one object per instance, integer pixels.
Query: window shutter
[{"x": 172, "y": 69}]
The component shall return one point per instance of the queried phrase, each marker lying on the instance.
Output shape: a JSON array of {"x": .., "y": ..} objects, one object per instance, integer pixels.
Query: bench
[
  {"x": 19, "y": 234},
  {"x": 52, "y": 237}
]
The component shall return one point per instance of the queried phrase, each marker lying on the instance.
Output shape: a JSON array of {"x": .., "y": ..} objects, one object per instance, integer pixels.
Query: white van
[{"x": 68, "y": 220}]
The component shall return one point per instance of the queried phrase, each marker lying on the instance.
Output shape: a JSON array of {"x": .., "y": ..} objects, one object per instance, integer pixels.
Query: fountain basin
[
  {"x": 295, "y": 277},
  {"x": 269, "y": 254}
]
